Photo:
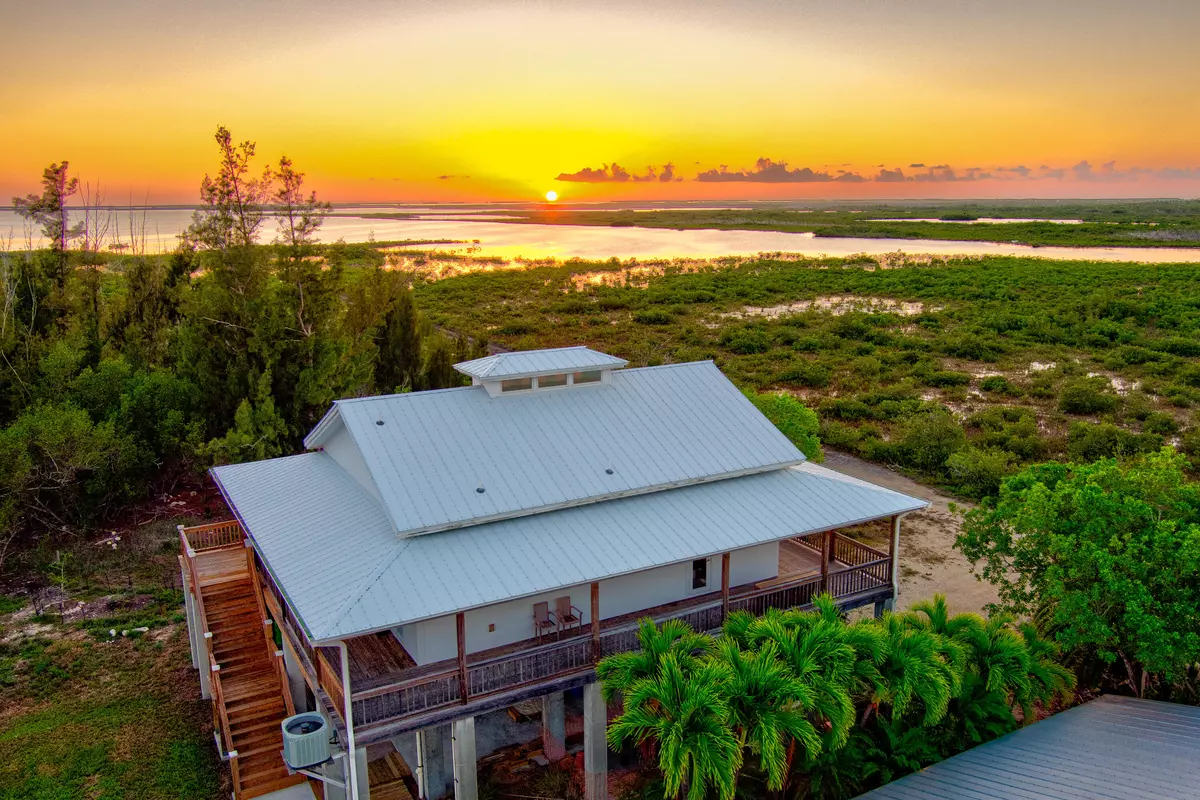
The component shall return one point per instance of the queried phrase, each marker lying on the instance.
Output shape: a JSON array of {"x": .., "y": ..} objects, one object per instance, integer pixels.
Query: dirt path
[{"x": 928, "y": 561}]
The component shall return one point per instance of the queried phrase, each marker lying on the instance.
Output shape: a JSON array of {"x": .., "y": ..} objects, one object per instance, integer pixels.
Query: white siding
[
  {"x": 341, "y": 448},
  {"x": 436, "y": 639}
]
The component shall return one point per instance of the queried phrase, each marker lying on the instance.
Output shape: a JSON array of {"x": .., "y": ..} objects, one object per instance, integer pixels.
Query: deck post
[
  {"x": 554, "y": 726},
  {"x": 894, "y": 553},
  {"x": 189, "y": 607},
  {"x": 460, "y": 620},
  {"x": 434, "y": 775},
  {"x": 595, "y": 619},
  {"x": 363, "y": 781},
  {"x": 595, "y": 743},
  {"x": 826, "y": 557},
  {"x": 462, "y": 746},
  {"x": 724, "y": 586}
]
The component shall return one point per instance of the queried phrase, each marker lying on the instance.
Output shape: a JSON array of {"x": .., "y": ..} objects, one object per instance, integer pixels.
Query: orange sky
[{"x": 377, "y": 100}]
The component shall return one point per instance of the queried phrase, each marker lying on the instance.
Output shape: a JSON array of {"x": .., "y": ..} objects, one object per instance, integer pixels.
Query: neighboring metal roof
[
  {"x": 538, "y": 362},
  {"x": 1118, "y": 748},
  {"x": 645, "y": 430},
  {"x": 333, "y": 554}
]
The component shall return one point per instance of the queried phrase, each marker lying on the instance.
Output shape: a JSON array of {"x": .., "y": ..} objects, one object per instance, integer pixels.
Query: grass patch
[{"x": 112, "y": 720}]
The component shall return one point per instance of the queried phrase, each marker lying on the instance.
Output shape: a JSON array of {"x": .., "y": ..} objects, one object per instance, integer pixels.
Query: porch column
[
  {"x": 466, "y": 784},
  {"x": 364, "y": 777},
  {"x": 894, "y": 553},
  {"x": 189, "y": 608},
  {"x": 595, "y": 744},
  {"x": 826, "y": 557},
  {"x": 595, "y": 620},
  {"x": 434, "y": 773},
  {"x": 460, "y": 623},
  {"x": 554, "y": 727},
  {"x": 724, "y": 586},
  {"x": 295, "y": 676}
]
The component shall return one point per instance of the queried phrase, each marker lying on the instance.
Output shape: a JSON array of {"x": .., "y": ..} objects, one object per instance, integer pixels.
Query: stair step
[
  {"x": 251, "y": 708},
  {"x": 273, "y": 785},
  {"x": 246, "y": 728}
]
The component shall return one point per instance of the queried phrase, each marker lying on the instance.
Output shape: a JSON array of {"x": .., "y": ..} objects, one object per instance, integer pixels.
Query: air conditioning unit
[{"x": 305, "y": 741}]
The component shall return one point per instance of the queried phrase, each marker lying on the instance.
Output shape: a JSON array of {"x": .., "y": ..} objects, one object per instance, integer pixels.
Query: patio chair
[
  {"x": 568, "y": 615},
  {"x": 543, "y": 620}
]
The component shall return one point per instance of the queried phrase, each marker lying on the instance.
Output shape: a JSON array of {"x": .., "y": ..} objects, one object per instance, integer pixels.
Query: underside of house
[{"x": 439, "y": 556}]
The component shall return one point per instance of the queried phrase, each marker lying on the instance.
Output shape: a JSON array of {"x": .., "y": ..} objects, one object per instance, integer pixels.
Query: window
[
  {"x": 591, "y": 376},
  {"x": 699, "y": 573},
  {"x": 546, "y": 381},
  {"x": 516, "y": 385}
]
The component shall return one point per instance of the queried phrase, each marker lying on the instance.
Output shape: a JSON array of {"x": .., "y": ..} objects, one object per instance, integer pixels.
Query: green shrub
[
  {"x": 1087, "y": 396},
  {"x": 926, "y": 440},
  {"x": 979, "y": 473},
  {"x": 654, "y": 317},
  {"x": 746, "y": 341},
  {"x": 1087, "y": 442},
  {"x": 1161, "y": 424},
  {"x": 944, "y": 378},
  {"x": 794, "y": 419},
  {"x": 999, "y": 384}
]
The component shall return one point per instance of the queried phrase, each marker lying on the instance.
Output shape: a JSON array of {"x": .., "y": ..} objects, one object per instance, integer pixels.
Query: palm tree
[
  {"x": 768, "y": 708},
  {"x": 1048, "y": 678},
  {"x": 915, "y": 671},
  {"x": 618, "y": 672},
  {"x": 686, "y": 714}
]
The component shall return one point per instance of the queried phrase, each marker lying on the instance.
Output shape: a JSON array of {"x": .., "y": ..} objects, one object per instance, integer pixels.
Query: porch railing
[
  {"x": 429, "y": 689},
  {"x": 212, "y": 536}
]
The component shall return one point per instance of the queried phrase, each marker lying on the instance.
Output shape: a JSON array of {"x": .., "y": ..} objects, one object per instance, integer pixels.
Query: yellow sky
[{"x": 376, "y": 100}]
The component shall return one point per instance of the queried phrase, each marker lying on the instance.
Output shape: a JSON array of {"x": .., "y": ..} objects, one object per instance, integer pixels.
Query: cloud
[
  {"x": 890, "y": 176},
  {"x": 449, "y": 177},
  {"x": 916, "y": 166},
  {"x": 768, "y": 171},
  {"x": 615, "y": 173}
]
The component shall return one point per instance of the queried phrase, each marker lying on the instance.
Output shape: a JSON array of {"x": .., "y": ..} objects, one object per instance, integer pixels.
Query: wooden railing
[
  {"x": 212, "y": 536},
  {"x": 854, "y": 553},
  {"x": 208, "y": 659},
  {"x": 796, "y": 595},
  {"x": 859, "y": 579}
]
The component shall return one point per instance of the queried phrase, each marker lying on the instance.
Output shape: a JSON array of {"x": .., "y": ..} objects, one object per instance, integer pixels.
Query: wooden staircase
[{"x": 249, "y": 684}]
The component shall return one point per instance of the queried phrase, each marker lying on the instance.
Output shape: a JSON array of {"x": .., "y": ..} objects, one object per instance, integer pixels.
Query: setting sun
[{"x": 551, "y": 196}]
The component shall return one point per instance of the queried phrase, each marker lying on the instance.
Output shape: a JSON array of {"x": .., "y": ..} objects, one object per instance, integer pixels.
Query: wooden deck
[{"x": 388, "y": 688}]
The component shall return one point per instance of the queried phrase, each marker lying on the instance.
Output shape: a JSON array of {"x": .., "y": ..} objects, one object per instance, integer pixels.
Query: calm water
[{"x": 512, "y": 241}]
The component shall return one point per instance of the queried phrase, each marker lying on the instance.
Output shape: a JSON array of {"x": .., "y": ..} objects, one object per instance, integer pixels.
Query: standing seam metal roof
[
  {"x": 647, "y": 429},
  {"x": 334, "y": 555},
  {"x": 538, "y": 362},
  {"x": 1112, "y": 748}
]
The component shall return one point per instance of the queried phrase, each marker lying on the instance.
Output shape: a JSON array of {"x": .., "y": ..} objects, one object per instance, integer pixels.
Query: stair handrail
[
  {"x": 220, "y": 715},
  {"x": 275, "y": 654}
]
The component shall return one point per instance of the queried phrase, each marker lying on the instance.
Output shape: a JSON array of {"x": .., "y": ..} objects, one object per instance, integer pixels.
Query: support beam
[
  {"x": 724, "y": 586},
  {"x": 595, "y": 619},
  {"x": 826, "y": 556},
  {"x": 880, "y": 607},
  {"x": 894, "y": 552},
  {"x": 363, "y": 775},
  {"x": 189, "y": 607},
  {"x": 434, "y": 772},
  {"x": 554, "y": 726},
  {"x": 466, "y": 782},
  {"x": 595, "y": 744},
  {"x": 460, "y": 623}
]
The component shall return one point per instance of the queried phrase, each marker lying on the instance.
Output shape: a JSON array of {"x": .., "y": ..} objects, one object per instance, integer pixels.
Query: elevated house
[{"x": 442, "y": 554}]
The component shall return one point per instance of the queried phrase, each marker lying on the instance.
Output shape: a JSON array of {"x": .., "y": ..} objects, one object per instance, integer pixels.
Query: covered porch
[{"x": 391, "y": 694}]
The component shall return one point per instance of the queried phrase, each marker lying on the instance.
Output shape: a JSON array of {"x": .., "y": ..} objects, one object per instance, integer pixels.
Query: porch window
[{"x": 699, "y": 573}]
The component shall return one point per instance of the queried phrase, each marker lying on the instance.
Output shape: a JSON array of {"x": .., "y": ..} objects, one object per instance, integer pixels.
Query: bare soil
[{"x": 929, "y": 563}]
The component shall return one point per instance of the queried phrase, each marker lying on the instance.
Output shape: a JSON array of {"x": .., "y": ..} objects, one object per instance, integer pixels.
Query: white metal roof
[
  {"x": 538, "y": 362},
  {"x": 331, "y": 550},
  {"x": 645, "y": 430}
]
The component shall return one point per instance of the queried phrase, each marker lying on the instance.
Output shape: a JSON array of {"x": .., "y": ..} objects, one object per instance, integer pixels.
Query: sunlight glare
[{"x": 551, "y": 196}]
